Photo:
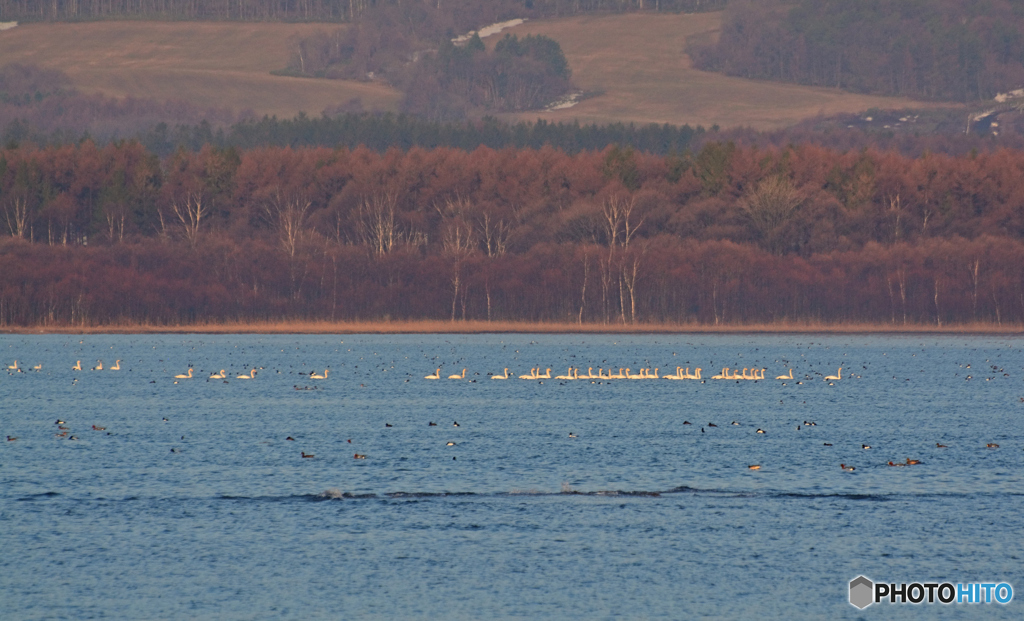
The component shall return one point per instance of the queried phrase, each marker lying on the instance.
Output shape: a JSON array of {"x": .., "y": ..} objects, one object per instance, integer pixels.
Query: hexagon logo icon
[{"x": 861, "y": 591}]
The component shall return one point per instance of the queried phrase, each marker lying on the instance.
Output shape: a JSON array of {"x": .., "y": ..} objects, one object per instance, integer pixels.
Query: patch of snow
[
  {"x": 7, "y": 25},
  {"x": 487, "y": 31},
  {"x": 562, "y": 103}
]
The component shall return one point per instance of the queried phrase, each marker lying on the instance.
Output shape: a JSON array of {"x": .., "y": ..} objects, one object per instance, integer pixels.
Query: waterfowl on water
[
  {"x": 307, "y": 455},
  {"x": 77, "y": 367},
  {"x": 759, "y": 431},
  {"x": 836, "y": 377},
  {"x": 11, "y": 438},
  {"x": 99, "y": 366},
  {"x": 431, "y": 424},
  {"x": 827, "y": 444},
  {"x": 501, "y": 377},
  {"x": 95, "y": 428},
  {"x": 992, "y": 445},
  {"x": 455, "y": 423},
  {"x": 436, "y": 375},
  {"x": 847, "y": 468},
  {"x": 359, "y": 456},
  {"x": 572, "y": 435},
  {"x": 251, "y": 375},
  {"x": 913, "y": 462},
  {"x": 187, "y": 376},
  {"x": 220, "y": 375},
  {"x": 290, "y": 439},
  {"x": 937, "y": 445},
  {"x": 712, "y": 425},
  {"x": 785, "y": 377},
  {"x": 455, "y": 376},
  {"x": 892, "y": 464},
  {"x": 686, "y": 422},
  {"x": 117, "y": 366},
  {"x": 324, "y": 376},
  {"x": 450, "y": 444},
  {"x": 388, "y": 425},
  {"x": 755, "y": 467},
  {"x": 865, "y": 446}
]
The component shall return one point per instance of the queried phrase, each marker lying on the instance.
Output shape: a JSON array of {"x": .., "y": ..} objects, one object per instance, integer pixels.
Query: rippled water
[{"x": 214, "y": 514}]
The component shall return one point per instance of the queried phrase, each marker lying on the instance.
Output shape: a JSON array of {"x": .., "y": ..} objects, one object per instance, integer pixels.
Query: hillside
[
  {"x": 209, "y": 64},
  {"x": 639, "y": 63},
  {"x": 636, "y": 60}
]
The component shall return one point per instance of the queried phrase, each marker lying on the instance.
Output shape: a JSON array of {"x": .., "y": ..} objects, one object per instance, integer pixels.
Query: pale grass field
[
  {"x": 638, "y": 60},
  {"x": 515, "y": 327},
  {"x": 210, "y": 64}
]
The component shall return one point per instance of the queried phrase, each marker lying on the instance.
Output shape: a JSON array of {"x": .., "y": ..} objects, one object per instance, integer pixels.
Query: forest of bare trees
[
  {"x": 95, "y": 235},
  {"x": 940, "y": 49}
]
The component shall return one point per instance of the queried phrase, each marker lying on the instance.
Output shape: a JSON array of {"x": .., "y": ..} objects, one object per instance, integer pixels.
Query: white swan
[
  {"x": 786, "y": 377},
  {"x": 532, "y": 375},
  {"x": 436, "y": 375},
  {"x": 77, "y": 367},
  {"x": 567, "y": 376},
  {"x": 251, "y": 375},
  {"x": 457, "y": 376},
  {"x": 315, "y": 376},
  {"x": 505, "y": 376},
  {"x": 116, "y": 367},
  {"x": 835, "y": 377},
  {"x": 723, "y": 375},
  {"x": 99, "y": 366},
  {"x": 14, "y": 366},
  {"x": 189, "y": 376},
  {"x": 220, "y": 375}
]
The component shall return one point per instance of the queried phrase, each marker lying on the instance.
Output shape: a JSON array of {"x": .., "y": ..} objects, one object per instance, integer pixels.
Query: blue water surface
[{"x": 214, "y": 514}]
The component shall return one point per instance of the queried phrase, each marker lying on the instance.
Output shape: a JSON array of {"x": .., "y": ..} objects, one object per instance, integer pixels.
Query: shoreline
[{"x": 516, "y": 327}]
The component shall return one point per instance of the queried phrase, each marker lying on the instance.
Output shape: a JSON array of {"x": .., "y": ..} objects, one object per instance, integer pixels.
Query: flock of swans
[
  {"x": 573, "y": 373},
  {"x": 189, "y": 374}
]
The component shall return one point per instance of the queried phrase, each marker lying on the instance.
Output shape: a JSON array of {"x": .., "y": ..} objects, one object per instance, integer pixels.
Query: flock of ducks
[{"x": 626, "y": 373}]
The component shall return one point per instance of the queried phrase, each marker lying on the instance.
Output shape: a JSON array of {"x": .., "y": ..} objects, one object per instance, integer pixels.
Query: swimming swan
[
  {"x": 220, "y": 375},
  {"x": 532, "y": 375},
  {"x": 116, "y": 367},
  {"x": 13, "y": 366},
  {"x": 251, "y": 375},
  {"x": 99, "y": 366},
  {"x": 315, "y": 376},
  {"x": 785, "y": 377},
  {"x": 77, "y": 367},
  {"x": 436, "y": 375},
  {"x": 189, "y": 376},
  {"x": 456, "y": 376},
  {"x": 723, "y": 375},
  {"x": 505, "y": 376},
  {"x": 835, "y": 377}
]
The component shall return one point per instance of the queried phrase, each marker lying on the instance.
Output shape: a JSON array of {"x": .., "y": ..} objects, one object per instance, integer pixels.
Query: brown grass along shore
[{"x": 518, "y": 327}]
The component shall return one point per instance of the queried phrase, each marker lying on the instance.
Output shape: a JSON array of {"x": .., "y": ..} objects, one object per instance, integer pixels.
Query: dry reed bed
[{"x": 516, "y": 327}]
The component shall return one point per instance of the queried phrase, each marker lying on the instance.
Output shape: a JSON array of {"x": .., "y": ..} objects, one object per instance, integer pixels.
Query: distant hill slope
[
  {"x": 209, "y": 64},
  {"x": 636, "y": 60},
  {"x": 640, "y": 64}
]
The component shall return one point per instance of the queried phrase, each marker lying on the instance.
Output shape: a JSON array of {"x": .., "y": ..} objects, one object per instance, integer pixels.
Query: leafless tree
[
  {"x": 16, "y": 212},
  {"x": 190, "y": 213},
  {"x": 770, "y": 206},
  {"x": 377, "y": 221},
  {"x": 288, "y": 216}
]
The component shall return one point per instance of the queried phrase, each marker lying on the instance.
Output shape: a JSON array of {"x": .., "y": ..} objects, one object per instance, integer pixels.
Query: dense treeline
[
  {"x": 318, "y": 10},
  {"x": 940, "y": 49},
  {"x": 727, "y": 234}
]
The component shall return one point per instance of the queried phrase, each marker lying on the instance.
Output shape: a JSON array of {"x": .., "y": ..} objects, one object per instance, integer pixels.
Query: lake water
[{"x": 214, "y": 514}]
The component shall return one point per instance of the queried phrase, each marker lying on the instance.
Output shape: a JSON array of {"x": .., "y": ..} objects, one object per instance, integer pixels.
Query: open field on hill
[
  {"x": 516, "y": 327},
  {"x": 209, "y": 64},
  {"x": 639, "y": 62}
]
